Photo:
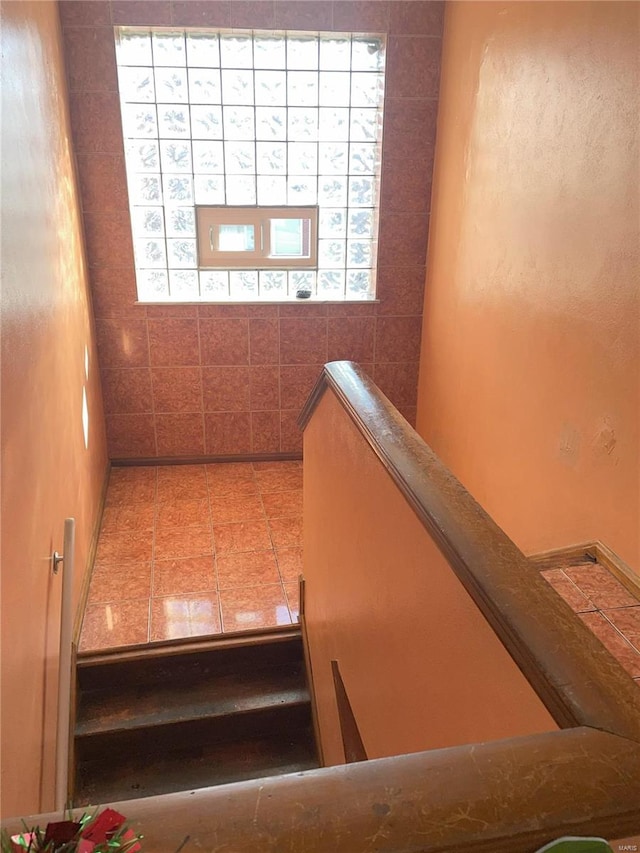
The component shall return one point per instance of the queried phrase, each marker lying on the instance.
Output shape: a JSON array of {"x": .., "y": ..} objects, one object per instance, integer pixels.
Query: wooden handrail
[
  {"x": 507, "y": 796},
  {"x": 572, "y": 673}
]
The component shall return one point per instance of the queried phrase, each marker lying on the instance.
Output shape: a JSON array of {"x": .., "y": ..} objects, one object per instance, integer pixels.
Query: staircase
[{"x": 171, "y": 720}]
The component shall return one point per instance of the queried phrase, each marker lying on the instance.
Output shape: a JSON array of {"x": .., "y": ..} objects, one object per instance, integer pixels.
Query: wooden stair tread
[
  {"x": 104, "y": 710},
  {"x": 175, "y": 718},
  {"x": 213, "y": 764},
  {"x": 159, "y": 666}
]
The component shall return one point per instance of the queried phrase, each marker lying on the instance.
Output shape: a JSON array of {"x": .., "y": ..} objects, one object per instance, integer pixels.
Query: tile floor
[
  {"x": 606, "y": 606},
  {"x": 194, "y": 550}
]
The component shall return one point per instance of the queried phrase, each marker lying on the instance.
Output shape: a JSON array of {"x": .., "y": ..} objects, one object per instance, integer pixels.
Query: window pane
[
  {"x": 368, "y": 53},
  {"x": 271, "y": 123},
  {"x": 334, "y": 124},
  {"x": 178, "y": 189},
  {"x": 204, "y": 86},
  {"x": 331, "y": 284},
  {"x": 238, "y": 123},
  {"x": 143, "y": 156},
  {"x": 335, "y": 54},
  {"x": 272, "y": 158},
  {"x": 301, "y": 280},
  {"x": 364, "y": 125},
  {"x": 331, "y": 253},
  {"x": 182, "y": 253},
  {"x": 268, "y": 52},
  {"x": 208, "y": 158},
  {"x": 302, "y": 89},
  {"x": 173, "y": 120},
  {"x": 183, "y": 285},
  {"x": 243, "y": 284},
  {"x": 239, "y": 158},
  {"x": 237, "y": 87},
  {"x": 303, "y": 157},
  {"x": 175, "y": 156},
  {"x": 214, "y": 284},
  {"x": 206, "y": 122},
  {"x": 181, "y": 222},
  {"x": 236, "y": 51},
  {"x": 169, "y": 49},
  {"x": 153, "y": 285},
  {"x": 302, "y": 189},
  {"x": 272, "y": 190},
  {"x": 332, "y": 222},
  {"x": 240, "y": 189},
  {"x": 136, "y": 84},
  {"x": 145, "y": 189},
  {"x": 202, "y": 50},
  {"x": 366, "y": 90},
  {"x": 302, "y": 52},
  {"x": 334, "y": 88},
  {"x": 171, "y": 85},
  {"x": 359, "y": 284},
  {"x": 271, "y": 88},
  {"x": 209, "y": 189},
  {"x": 139, "y": 121},
  {"x": 134, "y": 48},
  {"x": 303, "y": 123},
  {"x": 289, "y": 236},
  {"x": 147, "y": 221},
  {"x": 236, "y": 238},
  {"x": 150, "y": 253},
  {"x": 273, "y": 283}
]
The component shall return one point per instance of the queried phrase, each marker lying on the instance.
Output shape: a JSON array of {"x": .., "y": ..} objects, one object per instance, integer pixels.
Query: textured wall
[
  {"x": 421, "y": 666},
  {"x": 47, "y": 472},
  {"x": 529, "y": 384},
  {"x": 188, "y": 380}
]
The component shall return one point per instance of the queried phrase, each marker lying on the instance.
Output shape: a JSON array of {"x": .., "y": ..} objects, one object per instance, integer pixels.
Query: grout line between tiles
[{"x": 618, "y": 630}]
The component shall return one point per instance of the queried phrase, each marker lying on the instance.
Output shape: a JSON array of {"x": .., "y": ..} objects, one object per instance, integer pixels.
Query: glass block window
[{"x": 251, "y": 118}]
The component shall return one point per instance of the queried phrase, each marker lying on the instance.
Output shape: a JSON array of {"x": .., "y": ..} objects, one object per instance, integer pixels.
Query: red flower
[
  {"x": 128, "y": 836},
  {"x": 60, "y": 832},
  {"x": 103, "y": 826}
]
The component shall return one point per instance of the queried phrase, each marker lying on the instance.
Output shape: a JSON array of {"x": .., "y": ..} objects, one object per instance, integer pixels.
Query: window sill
[{"x": 167, "y": 303}]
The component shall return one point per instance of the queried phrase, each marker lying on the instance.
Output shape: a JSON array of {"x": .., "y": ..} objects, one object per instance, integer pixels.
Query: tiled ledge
[{"x": 590, "y": 584}]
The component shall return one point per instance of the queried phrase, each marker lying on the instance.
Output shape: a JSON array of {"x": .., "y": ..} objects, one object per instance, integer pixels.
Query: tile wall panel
[{"x": 222, "y": 379}]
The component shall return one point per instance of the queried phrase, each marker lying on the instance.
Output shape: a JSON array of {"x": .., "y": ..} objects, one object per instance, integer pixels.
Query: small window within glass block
[
  {"x": 288, "y": 238},
  {"x": 236, "y": 238},
  {"x": 252, "y": 120},
  {"x": 255, "y": 237}
]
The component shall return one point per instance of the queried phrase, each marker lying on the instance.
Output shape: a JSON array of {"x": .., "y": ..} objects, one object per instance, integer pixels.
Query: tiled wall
[{"x": 225, "y": 379}]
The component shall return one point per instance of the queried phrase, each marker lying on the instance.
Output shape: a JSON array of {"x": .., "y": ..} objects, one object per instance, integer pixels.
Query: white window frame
[{"x": 210, "y": 217}]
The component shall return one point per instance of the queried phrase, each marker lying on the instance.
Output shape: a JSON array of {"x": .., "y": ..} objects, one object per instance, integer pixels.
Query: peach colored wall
[
  {"x": 189, "y": 380},
  {"x": 421, "y": 666},
  {"x": 529, "y": 383},
  {"x": 47, "y": 473}
]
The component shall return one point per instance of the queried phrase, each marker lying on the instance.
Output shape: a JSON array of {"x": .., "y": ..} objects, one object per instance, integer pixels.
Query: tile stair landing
[
  {"x": 198, "y": 550},
  {"x": 605, "y": 606},
  {"x": 195, "y": 550}
]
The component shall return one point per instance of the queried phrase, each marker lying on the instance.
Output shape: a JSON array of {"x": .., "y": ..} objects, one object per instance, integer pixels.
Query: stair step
[
  {"x": 217, "y": 763},
  {"x": 102, "y": 711},
  {"x": 190, "y": 735},
  {"x": 164, "y": 664}
]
